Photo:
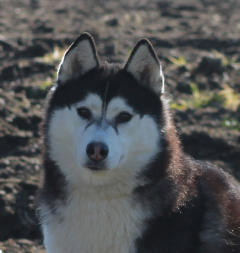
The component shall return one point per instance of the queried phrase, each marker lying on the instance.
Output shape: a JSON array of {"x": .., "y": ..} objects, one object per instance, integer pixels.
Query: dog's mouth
[{"x": 96, "y": 166}]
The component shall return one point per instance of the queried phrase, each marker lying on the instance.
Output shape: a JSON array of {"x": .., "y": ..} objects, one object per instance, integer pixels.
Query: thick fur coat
[{"x": 136, "y": 191}]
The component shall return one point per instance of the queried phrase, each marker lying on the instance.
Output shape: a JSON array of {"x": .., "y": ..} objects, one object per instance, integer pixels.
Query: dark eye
[
  {"x": 84, "y": 113},
  {"x": 123, "y": 117}
]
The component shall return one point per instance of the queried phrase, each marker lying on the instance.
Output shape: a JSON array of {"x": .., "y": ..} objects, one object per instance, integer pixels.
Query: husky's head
[{"x": 103, "y": 121}]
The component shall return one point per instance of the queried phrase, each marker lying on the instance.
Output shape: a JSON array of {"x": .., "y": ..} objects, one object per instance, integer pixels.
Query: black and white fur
[{"x": 144, "y": 195}]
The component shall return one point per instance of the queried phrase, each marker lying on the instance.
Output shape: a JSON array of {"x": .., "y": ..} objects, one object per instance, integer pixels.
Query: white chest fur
[{"x": 94, "y": 222}]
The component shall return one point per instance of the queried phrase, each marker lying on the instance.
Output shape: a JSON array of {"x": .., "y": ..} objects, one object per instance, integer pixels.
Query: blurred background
[{"x": 197, "y": 41}]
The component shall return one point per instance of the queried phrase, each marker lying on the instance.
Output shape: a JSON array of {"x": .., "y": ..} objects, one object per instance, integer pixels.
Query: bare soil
[{"x": 29, "y": 29}]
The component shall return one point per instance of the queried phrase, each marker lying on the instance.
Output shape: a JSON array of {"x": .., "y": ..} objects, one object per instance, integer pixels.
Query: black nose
[{"x": 97, "y": 151}]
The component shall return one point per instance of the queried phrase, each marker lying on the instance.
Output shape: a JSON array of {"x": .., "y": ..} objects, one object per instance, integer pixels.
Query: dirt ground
[{"x": 198, "y": 43}]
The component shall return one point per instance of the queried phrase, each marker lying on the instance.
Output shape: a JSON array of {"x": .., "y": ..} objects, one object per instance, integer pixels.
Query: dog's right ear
[{"x": 80, "y": 58}]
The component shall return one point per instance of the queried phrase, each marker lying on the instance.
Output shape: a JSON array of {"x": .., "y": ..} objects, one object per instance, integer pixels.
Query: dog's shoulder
[
  {"x": 218, "y": 183},
  {"x": 221, "y": 209}
]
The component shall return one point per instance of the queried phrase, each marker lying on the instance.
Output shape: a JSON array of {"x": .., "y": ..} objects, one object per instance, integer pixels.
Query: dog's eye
[
  {"x": 84, "y": 113},
  {"x": 123, "y": 117}
]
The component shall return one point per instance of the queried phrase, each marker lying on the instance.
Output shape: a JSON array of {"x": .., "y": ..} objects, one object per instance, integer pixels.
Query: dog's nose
[{"x": 97, "y": 151}]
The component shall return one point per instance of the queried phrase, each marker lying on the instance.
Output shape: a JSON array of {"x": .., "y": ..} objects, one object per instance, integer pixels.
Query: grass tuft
[
  {"x": 226, "y": 61},
  {"x": 178, "y": 61},
  {"x": 232, "y": 124},
  {"x": 52, "y": 57},
  {"x": 44, "y": 85},
  {"x": 231, "y": 98},
  {"x": 226, "y": 98}
]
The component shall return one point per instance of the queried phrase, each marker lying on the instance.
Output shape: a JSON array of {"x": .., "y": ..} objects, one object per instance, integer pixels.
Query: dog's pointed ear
[
  {"x": 144, "y": 65},
  {"x": 80, "y": 58}
]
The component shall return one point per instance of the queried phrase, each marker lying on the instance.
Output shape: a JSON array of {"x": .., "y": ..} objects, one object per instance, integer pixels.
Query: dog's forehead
[
  {"x": 116, "y": 105},
  {"x": 97, "y": 104},
  {"x": 113, "y": 90},
  {"x": 92, "y": 101}
]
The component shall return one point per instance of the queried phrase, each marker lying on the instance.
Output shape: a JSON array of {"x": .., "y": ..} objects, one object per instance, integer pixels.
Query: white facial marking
[
  {"x": 67, "y": 130},
  {"x": 131, "y": 146},
  {"x": 100, "y": 214},
  {"x": 139, "y": 138},
  {"x": 115, "y": 106},
  {"x": 93, "y": 102}
]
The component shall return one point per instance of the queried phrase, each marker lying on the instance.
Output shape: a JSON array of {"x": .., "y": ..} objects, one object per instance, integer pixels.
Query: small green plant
[
  {"x": 198, "y": 99},
  {"x": 232, "y": 124},
  {"x": 226, "y": 98},
  {"x": 48, "y": 81},
  {"x": 178, "y": 61},
  {"x": 231, "y": 98},
  {"x": 179, "y": 106},
  {"x": 226, "y": 61},
  {"x": 52, "y": 57}
]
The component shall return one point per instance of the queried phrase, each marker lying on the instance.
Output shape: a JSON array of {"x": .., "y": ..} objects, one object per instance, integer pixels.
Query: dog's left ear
[
  {"x": 144, "y": 65},
  {"x": 80, "y": 58}
]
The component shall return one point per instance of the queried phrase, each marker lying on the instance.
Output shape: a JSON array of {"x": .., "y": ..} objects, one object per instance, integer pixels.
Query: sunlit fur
[{"x": 147, "y": 196}]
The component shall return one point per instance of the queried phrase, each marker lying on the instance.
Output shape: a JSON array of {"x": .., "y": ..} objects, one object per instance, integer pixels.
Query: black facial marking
[
  {"x": 89, "y": 124},
  {"x": 115, "y": 128},
  {"x": 108, "y": 82},
  {"x": 104, "y": 104},
  {"x": 123, "y": 117},
  {"x": 84, "y": 113}
]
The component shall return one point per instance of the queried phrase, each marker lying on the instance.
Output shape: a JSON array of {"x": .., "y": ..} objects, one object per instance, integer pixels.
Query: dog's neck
[{"x": 115, "y": 185}]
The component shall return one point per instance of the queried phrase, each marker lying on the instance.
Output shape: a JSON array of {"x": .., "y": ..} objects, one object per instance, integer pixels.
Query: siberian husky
[{"x": 116, "y": 179}]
